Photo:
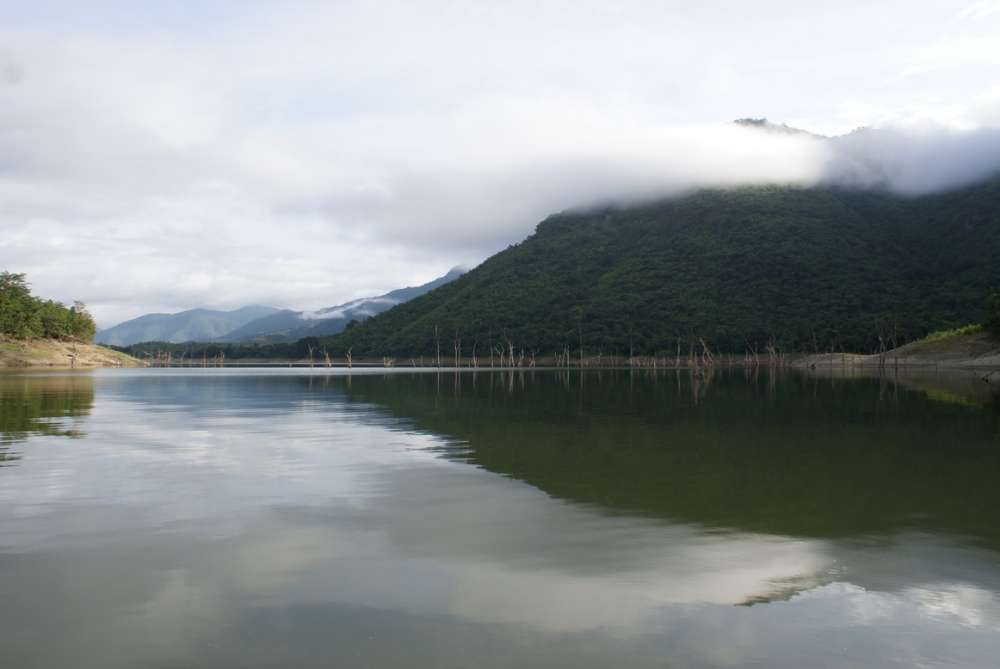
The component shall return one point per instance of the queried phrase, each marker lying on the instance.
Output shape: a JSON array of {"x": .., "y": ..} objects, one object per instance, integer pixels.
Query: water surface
[{"x": 300, "y": 518}]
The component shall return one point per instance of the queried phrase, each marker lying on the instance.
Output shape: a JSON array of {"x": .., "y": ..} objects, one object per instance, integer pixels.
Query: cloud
[
  {"x": 914, "y": 162},
  {"x": 308, "y": 154},
  {"x": 980, "y": 10}
]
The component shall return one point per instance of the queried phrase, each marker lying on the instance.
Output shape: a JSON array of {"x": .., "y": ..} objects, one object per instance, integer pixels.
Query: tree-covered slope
[{"x": 808, "y": 267}]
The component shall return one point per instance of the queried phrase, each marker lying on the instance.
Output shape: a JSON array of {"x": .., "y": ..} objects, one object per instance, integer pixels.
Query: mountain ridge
[
  {"x": 255, "y": 323},
  {"x": 182, "y": 326},
  {"x": 739, "y": 269},
  {"x": 288, "y": 325}
]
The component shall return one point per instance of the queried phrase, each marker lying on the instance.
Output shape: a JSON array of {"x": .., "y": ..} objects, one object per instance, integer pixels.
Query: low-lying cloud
[
  {"x": 914, "y": 161},
  {"x": 308, "y": 154}
]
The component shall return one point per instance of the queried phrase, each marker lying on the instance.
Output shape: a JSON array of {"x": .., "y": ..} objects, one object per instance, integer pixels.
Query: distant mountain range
[
  {"x": 191, "y": 325},
  {"x": 258, "y": 323}
]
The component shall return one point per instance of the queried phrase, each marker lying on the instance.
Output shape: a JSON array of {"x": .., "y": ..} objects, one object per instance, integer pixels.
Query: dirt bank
[
  {"x": 958, "y": 351},
  {"x": 57, "y": 353}
]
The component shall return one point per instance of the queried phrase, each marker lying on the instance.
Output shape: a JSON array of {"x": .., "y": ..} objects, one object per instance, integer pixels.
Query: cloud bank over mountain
[{"x": 217, "y": 154}]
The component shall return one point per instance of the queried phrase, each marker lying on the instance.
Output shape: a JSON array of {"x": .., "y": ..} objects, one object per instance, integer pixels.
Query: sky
[{"x": 156, "y": 157}]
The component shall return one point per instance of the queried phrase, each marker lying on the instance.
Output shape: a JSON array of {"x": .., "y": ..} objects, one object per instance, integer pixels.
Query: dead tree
[
  {"x": 880, "y": 331},
  {"x": 631, "y": 348},
  {"x": 437, "y": 342}
]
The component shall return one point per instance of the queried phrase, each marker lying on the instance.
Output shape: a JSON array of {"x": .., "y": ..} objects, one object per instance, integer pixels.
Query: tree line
[{"x": 24, "y": 316}]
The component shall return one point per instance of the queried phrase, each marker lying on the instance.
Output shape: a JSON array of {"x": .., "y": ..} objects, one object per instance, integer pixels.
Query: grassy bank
[{"x": 61, "y": 353}]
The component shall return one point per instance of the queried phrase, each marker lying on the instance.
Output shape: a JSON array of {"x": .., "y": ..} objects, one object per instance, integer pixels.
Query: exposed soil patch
[
  {"x": 959, "y": 351},
  {"x": 59, "y": 353}
]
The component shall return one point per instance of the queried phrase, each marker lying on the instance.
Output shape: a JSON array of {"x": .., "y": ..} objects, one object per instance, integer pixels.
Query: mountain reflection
[
  {"x": 231, "y": 518},
  {"x": 40, "y": 405},
  {"x": 780, "y": 454}
]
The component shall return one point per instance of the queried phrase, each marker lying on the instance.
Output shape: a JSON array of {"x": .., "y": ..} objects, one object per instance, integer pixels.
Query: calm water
[{"x": 219, "y": 518}]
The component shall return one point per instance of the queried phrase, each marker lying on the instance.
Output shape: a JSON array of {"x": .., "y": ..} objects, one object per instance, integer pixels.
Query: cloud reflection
[{"x": 198, "y": 520}]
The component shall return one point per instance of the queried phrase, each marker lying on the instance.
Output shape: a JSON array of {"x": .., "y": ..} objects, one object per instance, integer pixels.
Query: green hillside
[{"x": 808, "y": 267}]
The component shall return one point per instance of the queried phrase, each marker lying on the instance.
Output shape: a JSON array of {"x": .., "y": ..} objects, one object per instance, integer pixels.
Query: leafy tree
[
  {"x": 23, "y": 316},
  {"x": 17, "y": 306}
]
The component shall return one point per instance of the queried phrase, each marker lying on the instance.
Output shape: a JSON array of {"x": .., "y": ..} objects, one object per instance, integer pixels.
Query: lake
[{"x": 545, "y": 518}]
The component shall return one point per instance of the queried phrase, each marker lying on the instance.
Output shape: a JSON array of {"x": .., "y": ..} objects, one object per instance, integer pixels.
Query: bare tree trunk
[
  {"x": 437, "y": 342},
  {"x": 631, "y": 348}
]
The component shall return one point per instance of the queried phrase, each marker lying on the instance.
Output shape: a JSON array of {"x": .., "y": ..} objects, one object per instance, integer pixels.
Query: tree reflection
[
  {"x": 770, "y": 451},
  {"x": 41, "y": 405}
]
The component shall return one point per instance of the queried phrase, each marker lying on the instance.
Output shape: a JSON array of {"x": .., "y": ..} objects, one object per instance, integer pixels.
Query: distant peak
[{"x": 767, "y": 126}]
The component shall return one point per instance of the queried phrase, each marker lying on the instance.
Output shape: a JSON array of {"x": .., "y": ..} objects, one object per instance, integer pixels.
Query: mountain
[
  {"x": 191, "y": 325},
  {"x": 802, "y": 268},
  {"x": 287, "y": 325}
]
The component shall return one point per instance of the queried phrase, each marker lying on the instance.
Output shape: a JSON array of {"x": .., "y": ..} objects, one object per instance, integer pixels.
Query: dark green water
[{"x": 220, "y": 518}]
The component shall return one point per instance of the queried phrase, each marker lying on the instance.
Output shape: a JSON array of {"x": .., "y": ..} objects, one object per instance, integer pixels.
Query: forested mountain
[
  {"x": 191, "y": 325},
  {"x": 289, "y": 326},
  {"x": 809, "y": 268}
]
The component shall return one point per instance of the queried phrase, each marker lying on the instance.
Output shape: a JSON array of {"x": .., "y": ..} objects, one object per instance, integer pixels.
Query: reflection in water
[
  {"x": 31, "y": 404},
  {"x": 227, "y": 519},
  {"x": 781, "y": 454}
]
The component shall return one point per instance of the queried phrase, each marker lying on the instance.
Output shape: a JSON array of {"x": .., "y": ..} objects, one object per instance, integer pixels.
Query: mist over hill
[
  {"x": 802, "y": 268},
  {"x": 257, "y": 324},
  {"x": 287, "y": 325}
]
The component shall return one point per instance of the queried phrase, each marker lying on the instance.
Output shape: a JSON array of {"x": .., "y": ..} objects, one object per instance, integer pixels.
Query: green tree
[
  {"x": 17, "y": 306},
  {"x": 23, "y": 316}
]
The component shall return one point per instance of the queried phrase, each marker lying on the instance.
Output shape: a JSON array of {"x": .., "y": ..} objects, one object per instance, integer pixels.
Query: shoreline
[
  {"x": 58, "y": 353},
  {"x": 979, "y": 351}
]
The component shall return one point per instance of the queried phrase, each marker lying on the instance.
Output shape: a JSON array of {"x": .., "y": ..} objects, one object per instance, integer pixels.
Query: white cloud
[
  {"x": 980, "y": 10},
  {"x": 306, "y": 154}
]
